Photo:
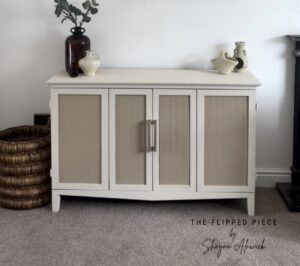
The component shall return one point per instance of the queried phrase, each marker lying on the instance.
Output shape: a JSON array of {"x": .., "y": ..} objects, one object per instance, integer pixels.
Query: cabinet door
[
  {"x": 174, "y": 156},
  {"x": 130, "y": 158},
  {"x": 80, "y": 138},
  {"x": 226, "y": 141}
]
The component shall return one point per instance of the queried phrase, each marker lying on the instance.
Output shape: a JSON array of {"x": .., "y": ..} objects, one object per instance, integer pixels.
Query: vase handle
[
  {"x": 73, "y": 30},
  {"x": 96, "y": 55}
]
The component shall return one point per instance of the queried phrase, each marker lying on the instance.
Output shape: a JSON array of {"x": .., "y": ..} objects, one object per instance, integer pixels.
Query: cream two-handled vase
[{"x": 90, "y": 63}]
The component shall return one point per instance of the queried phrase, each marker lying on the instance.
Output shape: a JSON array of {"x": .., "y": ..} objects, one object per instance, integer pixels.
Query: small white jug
[{"x": 90, "y": 63}]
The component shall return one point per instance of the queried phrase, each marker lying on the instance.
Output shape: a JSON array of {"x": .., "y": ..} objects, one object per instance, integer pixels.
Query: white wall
[{"x": 157, "y": 34}]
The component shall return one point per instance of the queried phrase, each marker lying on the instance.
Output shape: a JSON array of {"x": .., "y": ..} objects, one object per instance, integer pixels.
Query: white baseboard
[{"x": 268, "y": 177}]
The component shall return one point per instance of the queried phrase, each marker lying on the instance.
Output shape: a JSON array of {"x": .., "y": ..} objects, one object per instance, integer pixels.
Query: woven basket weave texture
[{"x": 24, "y": 167}]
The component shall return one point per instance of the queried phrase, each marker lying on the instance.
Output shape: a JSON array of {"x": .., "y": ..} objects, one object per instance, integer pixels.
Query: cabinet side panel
[
  {"x": 174, "y": 140},
  {"x": 80, "y": 139},
  {"x": 130, "y": 139},
  {"x": 226, "y": 141}
]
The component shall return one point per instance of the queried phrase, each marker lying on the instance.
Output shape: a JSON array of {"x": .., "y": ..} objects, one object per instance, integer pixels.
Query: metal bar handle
[
  {"x": 149, "y": 136},
  {"x": 154, "y": 147}
]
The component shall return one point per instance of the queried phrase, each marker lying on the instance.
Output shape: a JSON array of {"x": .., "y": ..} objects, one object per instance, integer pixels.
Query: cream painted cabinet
[{"x": 153, "y": 135}]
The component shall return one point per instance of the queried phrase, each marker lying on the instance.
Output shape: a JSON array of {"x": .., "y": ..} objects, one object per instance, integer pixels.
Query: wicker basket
[
  {"x": 24, "y": 167},
  {"x": 24, "y": 139},
  {"x": 27, "y": 181},
  {"x": 25, "y": 203},
  {"x": 25, "y": 157},
  {"x": 25, "y": 192}
]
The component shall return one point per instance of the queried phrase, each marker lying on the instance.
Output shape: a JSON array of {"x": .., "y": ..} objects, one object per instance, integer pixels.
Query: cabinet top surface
[{"x": 157, "y": 77}]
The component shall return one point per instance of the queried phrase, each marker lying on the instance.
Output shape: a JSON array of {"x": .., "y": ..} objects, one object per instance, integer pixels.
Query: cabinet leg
[
  {"x": 55, "y": 201},
  {"x": 251, "y": 204}
]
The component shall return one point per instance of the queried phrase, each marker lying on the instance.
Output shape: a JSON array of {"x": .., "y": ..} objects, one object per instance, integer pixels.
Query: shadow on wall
[
  {"x": 33, "y": 38},
  {"x": 275, "y": 103},
  {"x": 199, "y": 61},
  {"x": 286, "y": 97}
]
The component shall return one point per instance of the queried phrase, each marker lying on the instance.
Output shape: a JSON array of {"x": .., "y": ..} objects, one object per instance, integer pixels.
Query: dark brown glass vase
[{"x": 76, "y": 45}]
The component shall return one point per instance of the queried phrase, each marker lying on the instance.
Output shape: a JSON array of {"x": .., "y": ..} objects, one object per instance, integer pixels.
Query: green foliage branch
[{"x": 75, "y": 15}]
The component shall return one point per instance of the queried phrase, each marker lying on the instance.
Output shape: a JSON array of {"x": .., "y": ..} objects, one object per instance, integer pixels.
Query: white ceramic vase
[
  {"x": 90, "y": 63},
  {"x": 241, "y": 56},
  {"x": 224, "y": 64}
]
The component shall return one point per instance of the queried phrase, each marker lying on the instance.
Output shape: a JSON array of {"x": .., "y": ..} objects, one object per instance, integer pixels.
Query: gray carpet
[{"x": 114, "y": 232}]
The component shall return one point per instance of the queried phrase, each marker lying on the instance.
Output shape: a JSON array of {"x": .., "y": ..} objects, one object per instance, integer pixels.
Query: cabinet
[{"x": 153, "y": 135}]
